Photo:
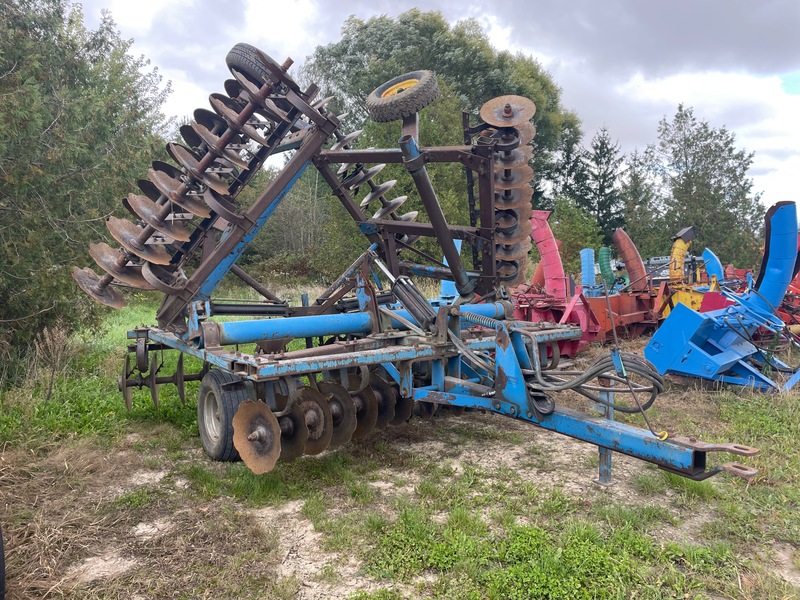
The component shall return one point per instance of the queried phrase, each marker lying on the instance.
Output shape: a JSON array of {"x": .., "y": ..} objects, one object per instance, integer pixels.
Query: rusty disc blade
[
  {"x": 149, "y": 212},
  {"x": 180, "y": 380},
  {"x": 403, "y": 408},
  {"x": 386, "y": 399},
  {"x": 152, "y": 383},
  {"x": 378, "y": 192},
  {"x": 294, "y": 433},
  {"x": 271, "y": 65},
  {"x": 233, "y": 119},
  {"x": 243, "y": 89},
  {"x": 519, "y": 234},
  {"x": 189, "y": 161},
  {"x": 389, "y": 208},
  {"x": 210, "y": 120},
  {"x": 527, "y": 131},
  {"x": 506, "y": 221},
  {"x": 176, "y": 191},
  {"x": 212, "y": 141},
  {"x": 522, "y": 267},
  {"x": 366, "y": 411},
  {"x": 190, "y": 137},
  {"x": 508, "y": 111},
  {"x": 510, "y": 179},
  {"x": 318, "y": 417},
  {"x": 347, "y": 140},
  {"x": 513, "y": 199},
  {"x": 359, "y": 177},
  {"x": 89, "y": 282},
  {"x": 122, "y": 383},
  {"x": 108, "y": 259},
  {"x": 409, "y": 216},
  {"x": 343, "y": 412},
  {"x": 161, "y": 279},
  {"x": 507, "y": 270},
  {"x": 513, "y": 251},
  {"x": 127, "y": 234},
  {"x": 426, "y": 410},
  {"x": 257, "y": 436},
  {"x": 518, "y": 157}
]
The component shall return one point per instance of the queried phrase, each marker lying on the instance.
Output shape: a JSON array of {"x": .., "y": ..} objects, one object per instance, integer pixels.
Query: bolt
[{"x": 507, "y": 110}]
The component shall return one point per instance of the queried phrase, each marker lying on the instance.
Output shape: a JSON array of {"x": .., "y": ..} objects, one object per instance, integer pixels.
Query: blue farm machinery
[
  {"x": 281, "y": 381},
  {"x": 726, "y": 345}
]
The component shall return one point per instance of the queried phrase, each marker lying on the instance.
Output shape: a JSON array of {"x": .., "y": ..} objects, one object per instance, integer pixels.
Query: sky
[{"x": 621, "y": 64}]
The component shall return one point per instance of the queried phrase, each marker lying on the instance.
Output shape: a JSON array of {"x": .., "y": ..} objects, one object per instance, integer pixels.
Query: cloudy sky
[{"x": 622, "y": 64}]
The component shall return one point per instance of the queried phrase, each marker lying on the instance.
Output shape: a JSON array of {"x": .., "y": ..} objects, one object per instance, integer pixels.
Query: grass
[{"x": 471, "y": 507}]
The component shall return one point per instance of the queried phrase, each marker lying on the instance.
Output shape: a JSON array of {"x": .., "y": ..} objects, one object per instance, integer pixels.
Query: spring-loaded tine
[
  {"x": 378, "y": 192},
  {"x": 170, "y": 187},
  {"x": 347, "y": 140},
  {"x": 127, "y": 234},
  {"x": 212, "y": 141},
  {"x": 389, "y": 208}
]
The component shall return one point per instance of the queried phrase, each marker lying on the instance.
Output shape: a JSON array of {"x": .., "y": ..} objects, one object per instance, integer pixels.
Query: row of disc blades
[
  {"x": 356, "y": 177},
  {"x": 315, "y": 419},
  {"x": 221, "y": 150},
  {"x": 511, "y": 116}
]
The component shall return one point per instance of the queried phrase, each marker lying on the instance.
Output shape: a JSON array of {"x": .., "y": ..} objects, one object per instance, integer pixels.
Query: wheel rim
[
  {"x": 399, "y": 87},
  {"x": 211, "y": 416}
]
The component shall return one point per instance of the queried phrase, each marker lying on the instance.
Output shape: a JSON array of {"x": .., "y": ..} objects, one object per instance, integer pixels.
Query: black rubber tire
[
  {"x": 386, "y": 104},
  {"x": 244, "y": 58},
  {"x": 223, "y": 391}
]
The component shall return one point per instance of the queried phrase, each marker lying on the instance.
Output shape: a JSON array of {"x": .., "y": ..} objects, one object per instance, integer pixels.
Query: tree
[
  {"x": 576, "y": 229},
  {"x": 603, "y": 199},
  {"x": 79, "y": 122},
  {"x": 643, "y": 206},
  {"x": 374, "y": 51},
  {"x": 705, "y": 176}
]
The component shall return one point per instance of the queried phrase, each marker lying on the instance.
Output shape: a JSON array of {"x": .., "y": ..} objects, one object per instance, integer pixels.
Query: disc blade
[
  {"x": 108, "y": 259},
  {"x": 128, "y": 234},
  {"x": 294, "y": 432},
  {"x": 389, "y": 208},
  {"x": 386, "y": 399},
  {"x": 318, "y": 418},
  {"x": 343, "y": 412},
  {"x": 507, "y": 111},
  {"x": 89, "y": 282},
  {"x": 378, "y": 192},
  {"x": 149, "y": 212},
  {"x": 178, "y": 192},
  {"x": 257, "y": 436}
]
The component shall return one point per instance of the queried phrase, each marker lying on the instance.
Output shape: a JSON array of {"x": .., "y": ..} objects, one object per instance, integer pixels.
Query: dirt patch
[
  {"x": 100, "y": 567},
  {"x": 786, "y": 558}
]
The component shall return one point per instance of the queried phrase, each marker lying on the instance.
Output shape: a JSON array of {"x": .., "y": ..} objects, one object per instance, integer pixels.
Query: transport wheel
[
  {"x": 216, "y": 407},
  {"x": 402, "y": 96},
  {"x": 246, "y": 59}
]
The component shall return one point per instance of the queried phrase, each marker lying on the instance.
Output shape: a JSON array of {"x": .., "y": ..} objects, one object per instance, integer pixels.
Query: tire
[
  {"x": 402, "y": 96},
  {"x": 244, "y": 58},
  {"x": 219, "y": 398}
]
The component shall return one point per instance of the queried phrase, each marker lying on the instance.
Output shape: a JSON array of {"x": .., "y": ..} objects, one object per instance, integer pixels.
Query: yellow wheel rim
[{"x": 399, "y": 87}]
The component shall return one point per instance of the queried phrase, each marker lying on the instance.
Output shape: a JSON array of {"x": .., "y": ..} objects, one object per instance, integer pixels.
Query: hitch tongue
[{"x": 740, "y": 470}]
